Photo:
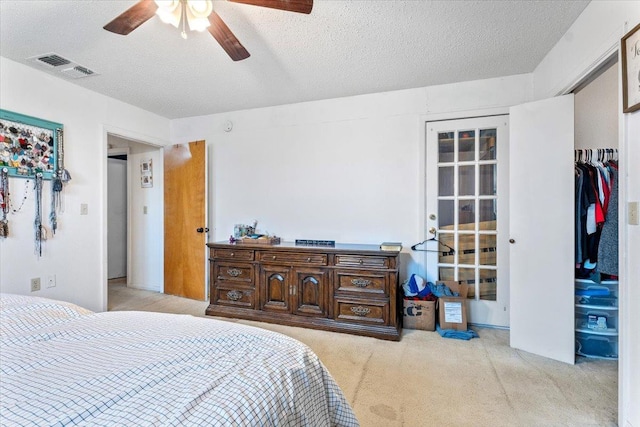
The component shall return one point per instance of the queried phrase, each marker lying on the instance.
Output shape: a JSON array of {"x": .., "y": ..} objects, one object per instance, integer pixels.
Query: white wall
[
  {"x": 596, "y": 112},
  {"x": 594, "y": 36},
  {"x": 76, "y": 254},
  {"x": 147, "y": 242},
  {"x": 347, "y": 169},
  {"x": 630, "y": 310}
]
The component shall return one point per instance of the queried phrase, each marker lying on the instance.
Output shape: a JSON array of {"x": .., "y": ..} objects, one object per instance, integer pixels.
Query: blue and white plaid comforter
[{"x": 63, "y": 365}]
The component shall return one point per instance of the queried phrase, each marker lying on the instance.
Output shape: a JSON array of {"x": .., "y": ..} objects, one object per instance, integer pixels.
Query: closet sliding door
[{"x": 541, "y": 208}]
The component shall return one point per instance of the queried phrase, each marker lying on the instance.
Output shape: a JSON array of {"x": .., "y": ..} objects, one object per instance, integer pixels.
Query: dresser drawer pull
[
  {"x": 360, "y": 311},
  {"x": 234, "y": 272},
  {"x": 309, "y": 259},
  {"x": 361, "y": 283},
  {"x": 273, "y": 257},
  {"x": 361, "y": 261},
  {"x": 234, "y": 295},
  {"x": 233, "y": 254}
]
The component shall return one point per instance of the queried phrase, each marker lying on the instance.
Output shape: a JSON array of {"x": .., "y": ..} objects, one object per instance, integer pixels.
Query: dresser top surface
[{"x": 292, "y": 246}]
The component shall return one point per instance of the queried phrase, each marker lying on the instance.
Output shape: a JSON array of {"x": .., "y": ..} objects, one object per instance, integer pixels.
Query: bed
[{"x": 63, "y": 365}]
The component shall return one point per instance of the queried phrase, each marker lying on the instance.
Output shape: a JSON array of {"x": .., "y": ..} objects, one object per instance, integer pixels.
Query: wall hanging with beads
[
  {"x": 31, "y": 148},
  {"x": 28, "y": 145}
]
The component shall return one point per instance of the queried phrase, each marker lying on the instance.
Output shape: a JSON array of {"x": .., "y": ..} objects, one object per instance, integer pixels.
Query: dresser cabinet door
[
  {"x": 274, "y": 288},
  {"x": 309, "y": 292}
]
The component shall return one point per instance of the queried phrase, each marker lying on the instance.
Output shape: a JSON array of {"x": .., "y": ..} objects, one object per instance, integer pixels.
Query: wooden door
[
  {"x": 274, "y": 286},
  {"x": 184, "y": 220},
  {"x": 541, "y": 204},
  {"x": 310, "y": 292}
]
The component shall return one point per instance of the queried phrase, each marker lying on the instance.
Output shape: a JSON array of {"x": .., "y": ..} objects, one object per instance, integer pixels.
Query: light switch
[
  {"x": 84, "y": 209},
  {"x": 144, "y": 210},
  {"x": 633, "y": 213}
]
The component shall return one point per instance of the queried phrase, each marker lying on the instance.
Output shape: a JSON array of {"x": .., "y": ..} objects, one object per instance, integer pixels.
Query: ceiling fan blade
[
  {"x": 132, "y": 18},
  {"x": 225, "y": 37},
  {"x": 300, "y": 6}
]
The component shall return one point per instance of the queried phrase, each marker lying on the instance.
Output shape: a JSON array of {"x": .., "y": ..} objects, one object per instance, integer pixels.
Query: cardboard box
[
  {"x": 418, "y": 314},
  {"x": 452, "y": 311}
]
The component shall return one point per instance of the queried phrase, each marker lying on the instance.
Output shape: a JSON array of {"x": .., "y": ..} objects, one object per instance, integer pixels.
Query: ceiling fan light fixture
[
  {"x": 169, "y": 11},
  {"x": 198, "y": 12}
]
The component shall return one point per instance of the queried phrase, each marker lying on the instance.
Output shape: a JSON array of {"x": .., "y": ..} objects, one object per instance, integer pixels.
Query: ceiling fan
[{"x": 197, "y": 15}]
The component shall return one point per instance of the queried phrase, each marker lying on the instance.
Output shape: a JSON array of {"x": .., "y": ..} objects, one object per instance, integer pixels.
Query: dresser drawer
[
  {"x": 361, "y": 283},
  {"x": 291, "y": 258},
  {"x": 233, "y": 272},
  {"x": 365, "y": 312},
  {"x": 232, "y": 253},
  {"x": 237, "y": 297},
  {"x": 368, "y": 261}
]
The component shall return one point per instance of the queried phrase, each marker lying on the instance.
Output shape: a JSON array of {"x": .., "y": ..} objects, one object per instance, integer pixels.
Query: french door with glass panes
[{"x": 467, "y": 212}]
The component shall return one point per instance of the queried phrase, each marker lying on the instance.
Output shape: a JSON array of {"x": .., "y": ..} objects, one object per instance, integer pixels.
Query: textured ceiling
[{"x": 342, "y": 48}]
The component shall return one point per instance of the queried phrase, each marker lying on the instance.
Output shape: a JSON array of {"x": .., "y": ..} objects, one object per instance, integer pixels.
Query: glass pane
[
  {"x": 445, "y": 213},
  {"x": 446, "y": 273},
  {"x": 445, "y": 181},
  {"x": 468, "y": 276},
  {"x": 445, "y": 255},
  {"x": 445, "y": 147},
  {"x": 467, "y": 180},
  {"x": 488, "y": 284},
  {"x": 488, "y": 249},
  {"x": 467, "y": 249},
  {"x": 488, "y": 180},
  {"x": 467, "y": 215},
  {"x": 488, "y": 144},
  {"x": 466, "y": 145},
  {"x": 488, "y": 209}
]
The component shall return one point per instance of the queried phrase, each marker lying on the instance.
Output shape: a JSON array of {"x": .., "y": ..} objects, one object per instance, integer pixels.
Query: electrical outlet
[
  {"x": 51, "y": 281},
  {"x": 35, "y": 284}
]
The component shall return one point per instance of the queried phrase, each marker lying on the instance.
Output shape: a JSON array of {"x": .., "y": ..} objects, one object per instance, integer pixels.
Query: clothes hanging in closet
[{"x": 596, "y": 210}]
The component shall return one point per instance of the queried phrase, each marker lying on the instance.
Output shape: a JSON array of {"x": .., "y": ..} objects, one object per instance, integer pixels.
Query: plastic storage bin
[{"x": 598, "y": 346}]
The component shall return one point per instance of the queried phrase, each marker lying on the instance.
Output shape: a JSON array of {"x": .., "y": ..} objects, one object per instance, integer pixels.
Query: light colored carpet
[{"x": 427, "y": 380}]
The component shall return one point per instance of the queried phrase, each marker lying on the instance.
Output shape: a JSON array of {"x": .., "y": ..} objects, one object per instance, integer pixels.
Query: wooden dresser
[{"x": 347, "y": 288}]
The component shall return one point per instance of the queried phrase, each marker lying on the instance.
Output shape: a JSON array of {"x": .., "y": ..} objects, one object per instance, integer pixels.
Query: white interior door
[
  {"x": 541, "y": 208},
  {"x": 467, "y": 210},
  {"x": 117, "y": 218}
]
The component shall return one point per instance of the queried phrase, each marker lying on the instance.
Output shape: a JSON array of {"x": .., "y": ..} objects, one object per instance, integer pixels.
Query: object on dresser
[
  {"x": 391, "y": 246},
  {"x": 258, "y": 239},
  {"x": 313, "y": 242}
]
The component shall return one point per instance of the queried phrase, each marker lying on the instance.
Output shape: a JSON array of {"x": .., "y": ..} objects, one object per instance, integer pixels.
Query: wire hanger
[{"x": 433, "y": 231}]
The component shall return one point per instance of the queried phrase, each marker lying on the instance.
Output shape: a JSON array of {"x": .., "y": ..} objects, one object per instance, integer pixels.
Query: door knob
[
  {"x": 202, "y": 230},
  {"x": 512, "y": 241}
]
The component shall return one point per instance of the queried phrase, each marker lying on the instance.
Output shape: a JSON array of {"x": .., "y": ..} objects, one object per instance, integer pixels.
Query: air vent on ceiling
[
  {"x": 77, "y": 72},
  {"x": 52, "y": 60},
  {"x": 55, "y": 63}
]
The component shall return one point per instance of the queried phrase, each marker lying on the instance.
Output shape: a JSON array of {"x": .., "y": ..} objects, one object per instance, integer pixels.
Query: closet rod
[{"x": 597, "y": 154}]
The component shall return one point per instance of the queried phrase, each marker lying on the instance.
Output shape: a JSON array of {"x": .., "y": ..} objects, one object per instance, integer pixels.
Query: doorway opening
[{"x": 135, "y": 217}]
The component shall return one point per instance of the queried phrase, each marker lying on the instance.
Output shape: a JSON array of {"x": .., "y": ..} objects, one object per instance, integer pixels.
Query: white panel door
[{"x": 541, "y": 207}]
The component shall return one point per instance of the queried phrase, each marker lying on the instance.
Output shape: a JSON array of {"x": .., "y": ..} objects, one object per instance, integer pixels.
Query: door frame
[{"x": 102, "y": 210}]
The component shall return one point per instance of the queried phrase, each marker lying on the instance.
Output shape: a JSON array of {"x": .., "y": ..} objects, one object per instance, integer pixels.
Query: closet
[
  {"x": 596, "y": 253},
  {"x": 596, "y": 216}
]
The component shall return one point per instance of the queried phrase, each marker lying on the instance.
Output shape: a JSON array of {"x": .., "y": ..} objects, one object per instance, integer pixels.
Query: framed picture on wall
[{"x": 631, "y": 70}]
